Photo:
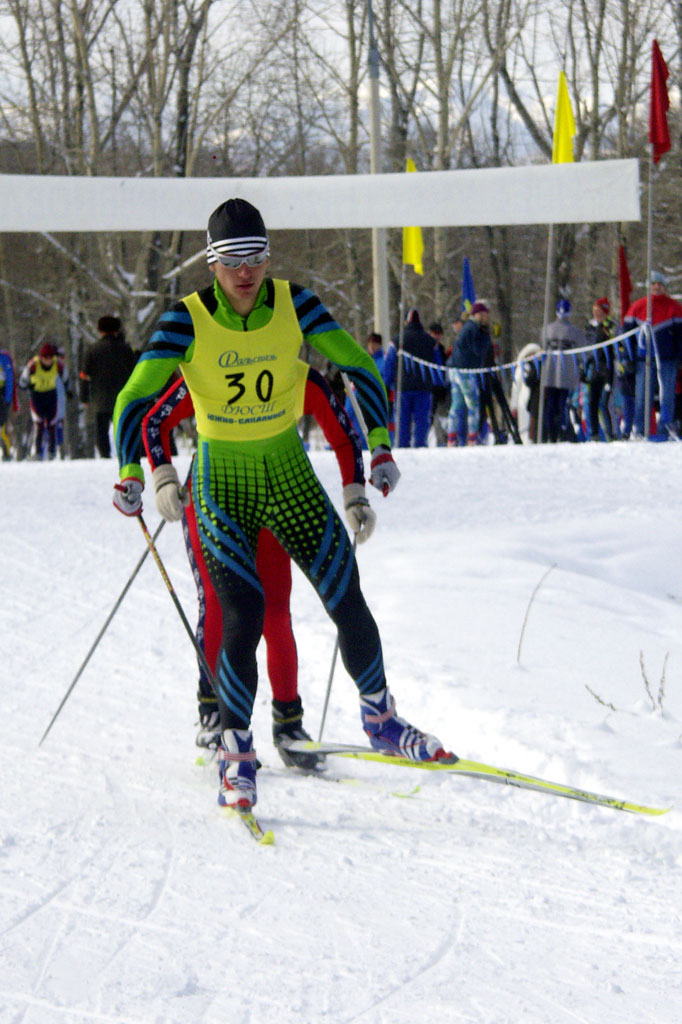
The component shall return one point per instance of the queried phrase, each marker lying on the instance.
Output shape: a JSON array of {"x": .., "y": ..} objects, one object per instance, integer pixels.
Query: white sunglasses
[{"x": 256, "y": 259}]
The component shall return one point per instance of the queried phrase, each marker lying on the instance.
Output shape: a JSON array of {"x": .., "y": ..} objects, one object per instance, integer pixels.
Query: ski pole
[
  {"x": 360, "y": 418},
  {"x": 100, "y": 634},
  {"x": 356, "y": 406},
  {"x": 176, "y": 601},
  {"x": 333, "y": 666},
  {"x": 363, "y": 426}
]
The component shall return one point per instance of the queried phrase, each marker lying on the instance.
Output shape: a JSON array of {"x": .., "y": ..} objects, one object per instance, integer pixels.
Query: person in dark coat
[
  {"x": 597, "y": 374},
  {"x": 106, "y": 368},
  {"x": 417, "y": 380}
]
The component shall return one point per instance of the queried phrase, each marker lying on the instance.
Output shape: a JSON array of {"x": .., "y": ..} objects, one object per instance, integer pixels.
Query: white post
[
  {"x": 545, "y": 324},
  {"x": 379, "y": 258}
]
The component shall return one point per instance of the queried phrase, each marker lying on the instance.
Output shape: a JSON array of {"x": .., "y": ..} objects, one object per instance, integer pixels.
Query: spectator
[
  {"x": 561, "y": 374},
  {"x": 461, "y": 425},
  {"x": 472, "y": 350},
  {"x": 106, "y": 367},
  {"x": 666, "y": 320},
  {"x": 39, "y": 376},
  {"x": 624, "y": 397},
  {"x": 416, "y": 383},
  {"x": 457, "y": 325},
  {"x": 61, "y": 405},
  {"x": 526, "y": 390},
  {"x": 8, "y": 400},
  {"x": 598, "y": 368},
  {"x": 440, "y": 402}
]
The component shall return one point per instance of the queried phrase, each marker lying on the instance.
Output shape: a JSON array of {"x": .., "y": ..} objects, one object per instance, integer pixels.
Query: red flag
[
  {"x": 659, "y": 136},
  {"x": 624, "y": 282}
]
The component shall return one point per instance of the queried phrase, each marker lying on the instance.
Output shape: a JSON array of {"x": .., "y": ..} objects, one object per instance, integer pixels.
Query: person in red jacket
[
  {"x": 273, "y": 564},
  {"x": 666, "y": 322}
]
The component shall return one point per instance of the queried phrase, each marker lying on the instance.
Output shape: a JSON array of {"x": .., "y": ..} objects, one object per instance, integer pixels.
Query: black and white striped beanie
[{"x": 236, "y": 228}]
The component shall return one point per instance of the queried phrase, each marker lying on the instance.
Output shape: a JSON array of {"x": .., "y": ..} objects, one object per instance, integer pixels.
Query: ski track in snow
[{"x": 126, "y": 897}]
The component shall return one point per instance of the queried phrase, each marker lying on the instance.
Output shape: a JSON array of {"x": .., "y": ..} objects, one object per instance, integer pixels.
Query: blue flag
[{"x": 468, "y": 291}]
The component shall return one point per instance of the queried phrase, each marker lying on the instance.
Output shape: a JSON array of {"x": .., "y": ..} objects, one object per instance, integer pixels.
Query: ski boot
[
  {"x": 287, "y": 725},
  {"x": 390, "y": 734},
  {"x": 237, "y": 770},
  {"x": 209, "y": 724}
]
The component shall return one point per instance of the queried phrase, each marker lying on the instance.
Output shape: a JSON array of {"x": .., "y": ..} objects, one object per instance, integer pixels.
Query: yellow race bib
[{"x": 244, "y": 383}]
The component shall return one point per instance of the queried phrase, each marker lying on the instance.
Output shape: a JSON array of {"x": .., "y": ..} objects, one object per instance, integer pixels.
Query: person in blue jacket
[
  {"x": 8, "y": 399},
  {"x": 666, "y": 321},
  {"x": 417, "y": 380},
  {"x": 472, "y": 350}
]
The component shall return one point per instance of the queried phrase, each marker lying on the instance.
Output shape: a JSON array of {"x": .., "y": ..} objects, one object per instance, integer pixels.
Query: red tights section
[{"x": 274, "y": 569}]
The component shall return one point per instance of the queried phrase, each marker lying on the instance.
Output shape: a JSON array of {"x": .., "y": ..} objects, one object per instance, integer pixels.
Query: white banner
[{"x": 599, "y": 191}]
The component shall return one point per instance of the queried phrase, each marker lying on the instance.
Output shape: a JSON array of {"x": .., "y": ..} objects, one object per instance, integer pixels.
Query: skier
[
  {"x": 237, "y": 343},
  {"x": 39, "y": 376},
  {"x": 314, "y": 398}
]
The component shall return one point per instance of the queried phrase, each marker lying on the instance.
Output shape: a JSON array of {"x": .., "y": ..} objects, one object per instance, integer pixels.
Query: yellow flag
[
  {"x": 413, "y": 245},
  {"x": 564, "y": 125}
]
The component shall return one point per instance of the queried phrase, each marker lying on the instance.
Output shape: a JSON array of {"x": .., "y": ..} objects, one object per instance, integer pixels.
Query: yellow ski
[{"x": 476, "y": 770}]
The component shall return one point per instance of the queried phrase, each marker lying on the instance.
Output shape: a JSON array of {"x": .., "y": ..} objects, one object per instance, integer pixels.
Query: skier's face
[{"x": 241, "y": 285}]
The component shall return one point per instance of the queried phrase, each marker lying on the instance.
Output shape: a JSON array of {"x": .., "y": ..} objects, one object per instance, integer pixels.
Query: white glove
[
  {"x": 384, "y": 472},
  {"x": 360, "y": 515},
  {"x": 128, "y": 496},
  {"x": 170, "y": 500}
]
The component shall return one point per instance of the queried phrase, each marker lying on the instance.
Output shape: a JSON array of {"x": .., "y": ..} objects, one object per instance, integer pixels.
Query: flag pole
[
  {"x": 659, "y": 139},
  {"x": 399, "y": 375},
  {"x": 649, "y": 257},
  {"x": 562, "y": 153}
]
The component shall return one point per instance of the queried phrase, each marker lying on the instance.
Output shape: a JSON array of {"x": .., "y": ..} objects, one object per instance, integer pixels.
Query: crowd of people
[
  {"x": 593, "y": 380},
  {"x": 596, "y": 380}
]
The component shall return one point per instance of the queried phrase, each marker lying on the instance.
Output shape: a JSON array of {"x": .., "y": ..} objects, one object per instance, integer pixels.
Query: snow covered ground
[{"x": 126, "y": 897}]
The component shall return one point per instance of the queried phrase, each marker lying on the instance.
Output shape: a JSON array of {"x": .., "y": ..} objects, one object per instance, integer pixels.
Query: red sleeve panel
[
  {"x": 320, "y": 402},
  {"x": 174, "y": 405}
]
